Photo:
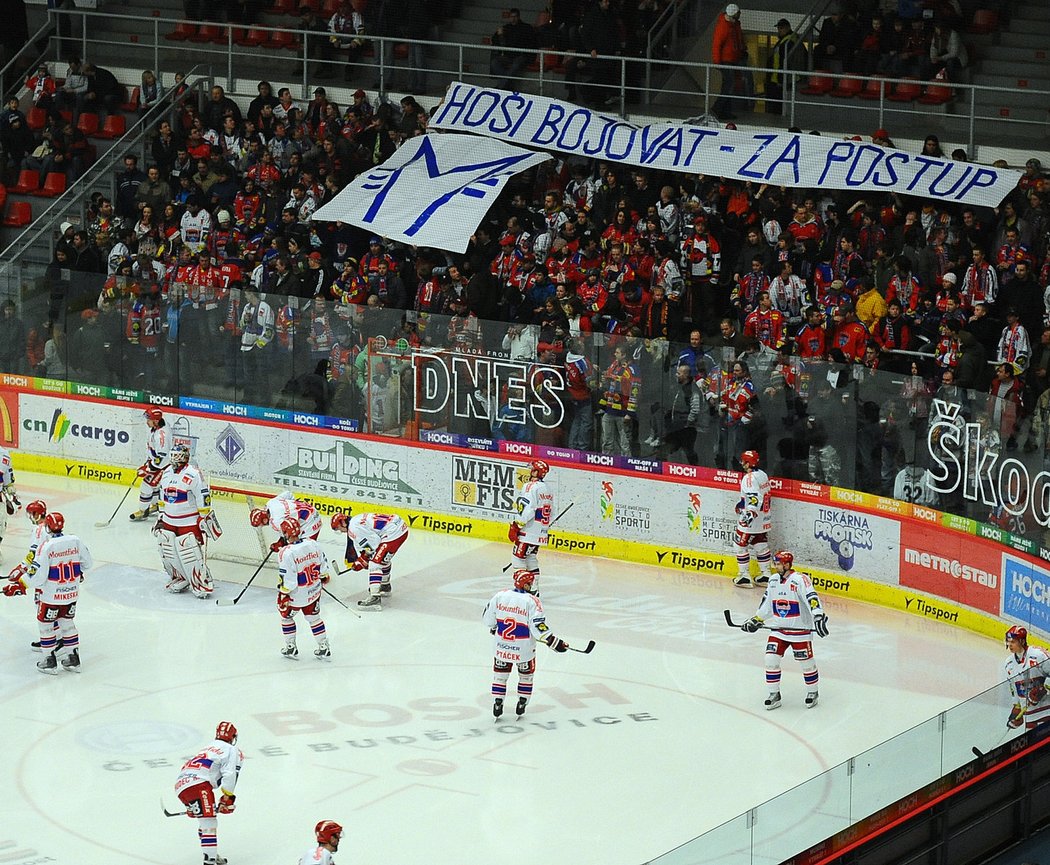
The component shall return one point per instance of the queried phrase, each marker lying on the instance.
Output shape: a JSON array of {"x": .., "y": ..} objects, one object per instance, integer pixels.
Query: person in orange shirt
[{"x": 727, "y": 49}]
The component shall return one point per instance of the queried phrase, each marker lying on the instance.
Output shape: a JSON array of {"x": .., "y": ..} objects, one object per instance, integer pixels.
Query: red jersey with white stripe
[
  {"x": 60, "y": 563},
  {"x": 287, "y": 507},
  {"x": 218, "y": 764},
  {"x": 368, "y": 531},
  {"x": 300, "y": 567},
  {"x": 183, "y": 495},
  {"x": 1026, "y": 676}
]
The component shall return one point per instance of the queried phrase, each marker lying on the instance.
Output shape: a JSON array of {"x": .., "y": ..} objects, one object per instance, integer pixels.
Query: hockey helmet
[
  {"x": 1018, "y": 633},
  {"x": 784, "y": 557},
  {"x": 749, "y": 459},
  {"x": 36, "y": 510},
  {"x": 540, "y": 468},
  {"x": 259, "y": 517},
  {"x": 153, "y": 414},
  {"x": 291, "y": 529},
  {"x": 523, "y": 580},
  {"x": 328, "y": 831},
  {"x": 179, "y": 455},
  {"x": 55, "y": 522},
  {"x": 226, "y": 732},
  {"x": 340, "y": 521}
]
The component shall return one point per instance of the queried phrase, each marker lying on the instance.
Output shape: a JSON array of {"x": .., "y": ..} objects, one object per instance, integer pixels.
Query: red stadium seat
[
  {"x": 284, "y": 39},
  {"x": 847, "y": 88},
  {"x": 88, "y": 123},
  {"x": 28, "y": 182},
  {"x": 906, "y": 91},
  {"x": 936, "y": 94},
  {"x": 183, "y": 31},
  {"x": 818, "y": 85},
  {"x": 19, "y": 214},
  {"x": 873, "y": 89},
  {"x": 400, "y": 51},
  {"x": 254, "y": 36},
  {"x": 37, "y": 119},
  {"x": 207, "y": 33},
  {"x": 3, "y": 196},
  {"x": 113, "y": 126},
  {"x": 282, "y": 7},
  {"x": 131, "y": 104},
  {"x": 54, "y": 185},
  {"x": 330, "y": 8},
  {"x": 984, "y": 21}
]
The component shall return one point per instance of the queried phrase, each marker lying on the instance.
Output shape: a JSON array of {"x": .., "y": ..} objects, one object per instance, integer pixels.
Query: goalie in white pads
[
  {"x": 753, "y": 521},
  {"x": 302, "y": 569},
  {"x": 372, "y": 541},
  {"x": 328, "y": 834},
  {"x": 1026, "y": 671},
  {"x": 791, "y": 609},
  {"x": 36, "y": 511},
  {"x": 516, "y": 621},
  {"x": 7, "y": 491},
  {"x": 186, "y": 520},
  {"x": 287, "y": 507},
  {"x": 152, "y": 470},
  {"x": 215, "y": 769},
  {"x": 55, "y": 575},
  {"x": 528, "y": 531}
]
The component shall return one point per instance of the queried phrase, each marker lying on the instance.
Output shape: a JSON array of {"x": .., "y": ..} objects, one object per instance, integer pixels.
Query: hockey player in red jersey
[
  {"x": 214, "y": 769},
  {"x": 791, "y": 610},
  {"x": 516, "y": 621},
  {"x": 1026, "y": 672}
]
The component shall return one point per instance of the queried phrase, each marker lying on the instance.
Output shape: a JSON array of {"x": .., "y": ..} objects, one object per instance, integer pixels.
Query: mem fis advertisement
[{"x": 486, "y": 486}]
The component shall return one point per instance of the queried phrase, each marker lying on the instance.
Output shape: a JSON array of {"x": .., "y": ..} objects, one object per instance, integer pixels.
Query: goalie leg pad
[
  {"x": 500, "y": 674},
  {"x": 189, "y": 552}
]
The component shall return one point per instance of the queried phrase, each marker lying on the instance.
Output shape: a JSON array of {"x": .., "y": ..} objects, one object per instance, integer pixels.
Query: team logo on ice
[
  {"x": 845, "y": 533},
  {"x": 605, "y": 501},
  {"x": 693, "y": 516},
  {"x": 230, "y": 445}
]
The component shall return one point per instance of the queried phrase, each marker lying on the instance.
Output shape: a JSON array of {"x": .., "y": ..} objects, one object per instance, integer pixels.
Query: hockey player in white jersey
[
  {"x": 753, "y": 521},
  {"x": 302, "y": 569},
  {"x": 152, "y": 470},
  {"x": 214, "y": 770},
  {"x": 791, "y": 610},
  {"x": 286, "y": 506},
  {"x": 55, "y": 576},
  {"x": 528, "y": 531},
  {"x": 186, "y": 520},
  {"x": 36, "y": 511},
  {"x": 1026, "y": 671},
  {"x": 7, "y": 491},
  {"x": 915, "y": 484},
  {"x": 372, "y": 541},
  {"x": 328, "y": 834},
  {"x": 516, "y": 621}
]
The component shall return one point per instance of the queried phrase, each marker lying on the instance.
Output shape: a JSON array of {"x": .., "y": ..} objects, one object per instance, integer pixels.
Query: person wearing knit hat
[{"x": 727, "y": 50}]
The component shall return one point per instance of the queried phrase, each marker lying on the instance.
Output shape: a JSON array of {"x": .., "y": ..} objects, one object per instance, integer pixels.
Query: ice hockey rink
[{"x": 624, "y": 754}]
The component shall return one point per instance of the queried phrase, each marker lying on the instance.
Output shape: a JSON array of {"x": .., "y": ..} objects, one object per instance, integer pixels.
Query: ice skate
[
  {"x": 762, "y": 580},
  {"x": 323, "y": 652},
  {"x": 48, "y": 665},
  {"x": 176, "y": 585},
  {"x": 214, "y": 860},
  {"x": 373, "y": 602},
  {"x": 772, "y": 701},
  {"x": 71, "y": 664},
  {"x": 519, "y": 710},
  {"x": 141, "y": 514},
  {"x": 811, "y": 699},
  {"x": 743, "y": 582},
  {"x": 497, "y": 708},
  {"x": 290, "y": 651},
  {"x": 384, "y": 588},
  {"x": 154, "y": 509}
]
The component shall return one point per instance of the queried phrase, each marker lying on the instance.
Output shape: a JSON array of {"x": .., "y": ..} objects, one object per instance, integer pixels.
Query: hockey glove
[
  {"x": 276, "y": 545},
  {"x": 752, "y": 625},
  {"x": 13, "y": 590},
  {"x": 284, "y": 605},
  {"x": 1036, "y": 692},
  {"x": 820, "y": 624},
  {"x": 740, "y": 506},
  {"x": 513, "y": 532},
  {"x": 361, "y": 563},
  {"x": 17, "y": 572},
  {"x": 1016, "y": 718},
  {"x": 226, "y": 805},
  {"x": 9, "y": 504},
  {"x": 557, "y": 644}
]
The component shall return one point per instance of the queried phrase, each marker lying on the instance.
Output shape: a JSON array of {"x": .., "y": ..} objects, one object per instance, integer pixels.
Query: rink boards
[{"x": 914, "y": 559}]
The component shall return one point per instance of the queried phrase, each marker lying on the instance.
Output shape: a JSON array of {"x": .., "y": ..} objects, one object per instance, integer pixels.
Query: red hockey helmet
[
  {"x": 179, "y": 455},
  {"x": 36, "y": 510},
  {"x": 54, "y": 522},
  {"x": 328, "y": 831},
  {"x": 226, "y": 732},
  {"x": 340, "y": 521},
  {"x": 749, "y": 459},
  {"x": 153, "y": 414},
  {"x": 259, "y": 517},
  {"x": 523, "y": 580},
  {"x": 1018, "y": 633},
  {"x": 539, "y": 467},
  {"x": 784, "y": 557},
  {"x": 291, "y": 529}
]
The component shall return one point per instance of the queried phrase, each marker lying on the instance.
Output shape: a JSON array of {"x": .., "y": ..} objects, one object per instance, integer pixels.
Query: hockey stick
[
  {"x": 226, "y": 602},
  {"x": 587, "y": 651},
  {"x": 117, "y": 510},
  {"x": 562, "y": 514},
  {"x": 168, "y": 813},
  {"x": 341, "y": 604},
  {"x": 977, "y": 752},
  {"x": 732, "y": 624}
]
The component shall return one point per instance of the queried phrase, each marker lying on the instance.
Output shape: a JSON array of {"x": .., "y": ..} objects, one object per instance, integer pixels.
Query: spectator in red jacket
[{"x": 727, "y": 49}]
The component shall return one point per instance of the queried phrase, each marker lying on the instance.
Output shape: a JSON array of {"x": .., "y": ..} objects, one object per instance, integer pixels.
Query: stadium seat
[
  {"x": 874, "y": 88},
  {"x": 113, "y": 126},
  {"x": 3, "y": 196},
  {"x": 818, "y": 85},
  {"x": 206, "y": 33},
  {"x": 330, "y": 8},
  {"x": 984, "y": 21},
  {"x": 54, "y": 185},
  {"x": 19, "y": 214},
  {"x": 847, "y": 88},
  {"x": 28, "y": 182},
  {"x": 936, "y": 94},
  {"x": 183, "y": 31},
  {"x": 284, "y": 39},
  {"x": 255, "y": 36},
  {"x": 37, "y": 119},
  {"x": 906, "y": 91},
  {"x": 281, "y": 7},
  {"x": 400, "y": 51},
  {"x": 551, "y": 63},
  {"x": 88, "y": 123},
  {"x": 131, "y": 104}
]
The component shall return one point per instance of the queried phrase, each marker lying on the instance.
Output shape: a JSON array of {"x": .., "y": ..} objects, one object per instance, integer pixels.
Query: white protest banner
[
  {"x": 433, "y": 191},
  {"x": 779, "y": 158}
]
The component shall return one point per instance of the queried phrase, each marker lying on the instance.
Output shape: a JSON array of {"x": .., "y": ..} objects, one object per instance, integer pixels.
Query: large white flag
[
  {"x": 433, "y": 191},
  {"x": 771, "y": 156}
]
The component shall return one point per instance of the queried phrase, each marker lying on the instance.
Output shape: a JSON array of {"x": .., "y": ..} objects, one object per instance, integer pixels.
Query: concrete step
[
  {"x": 1015, "y": 54},
  {"x": 1022, "y": 39},
  {"x": 1039, "y": 26},
  {"x": 1014, "y": 83},
  {"x": 1017, "y": 67}
]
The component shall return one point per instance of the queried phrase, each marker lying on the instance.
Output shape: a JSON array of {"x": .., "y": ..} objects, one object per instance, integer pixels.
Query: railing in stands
[{"x": 13, "y": 72}]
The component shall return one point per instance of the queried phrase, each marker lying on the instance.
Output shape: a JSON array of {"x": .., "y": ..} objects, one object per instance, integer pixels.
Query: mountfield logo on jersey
[
  {"x": 342, "y": 466},
  {"x": 61, "y": 426},
  {"x": 485, "y": 483},
  {"x": 845, "y": 533}
]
